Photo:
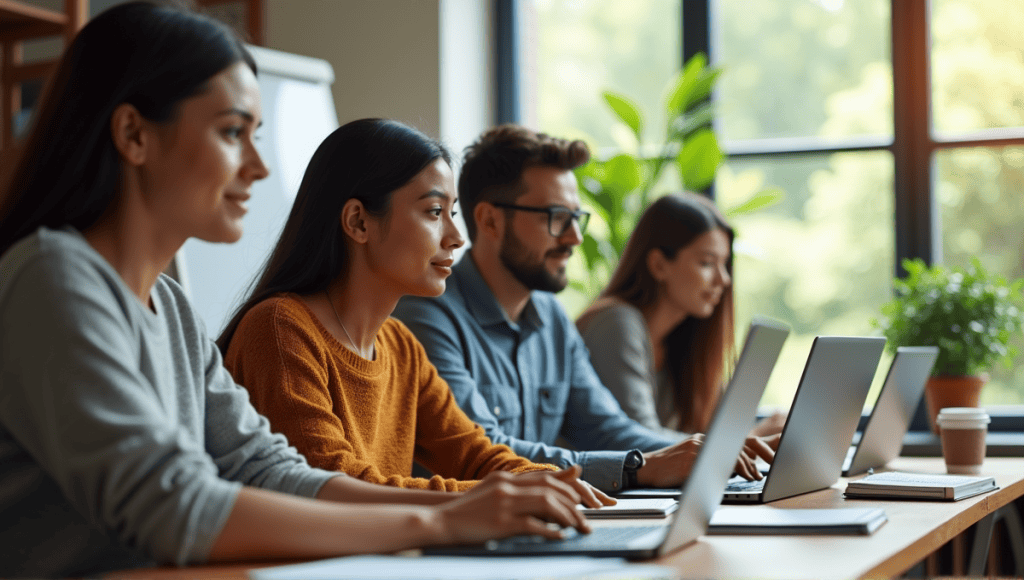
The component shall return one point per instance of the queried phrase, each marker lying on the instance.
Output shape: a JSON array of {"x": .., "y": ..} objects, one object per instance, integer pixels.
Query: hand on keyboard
[
  {"x": 503, "y": 505},
  {"x": 754, "y": 447}
]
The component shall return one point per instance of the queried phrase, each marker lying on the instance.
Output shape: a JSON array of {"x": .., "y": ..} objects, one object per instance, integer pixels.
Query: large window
[{"x": 894, "y": 127}]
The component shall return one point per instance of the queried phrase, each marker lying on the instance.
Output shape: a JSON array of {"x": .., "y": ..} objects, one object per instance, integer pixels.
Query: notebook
[
  {"x": 883, "y": 435},
  {"x": 769, "y": 520},
  {"x": 899, "y": 485},
  {"x": 702, "y": 491},
  {"x": 633, "y": 508},
  {"x": 821, "y": 423}
]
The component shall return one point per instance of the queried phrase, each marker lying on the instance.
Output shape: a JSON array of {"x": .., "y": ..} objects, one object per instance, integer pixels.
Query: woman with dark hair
[
  {"x": 123, "y": 440},
  {"x": 349, "y": 386},
  {"x": 661, "y": 334}
]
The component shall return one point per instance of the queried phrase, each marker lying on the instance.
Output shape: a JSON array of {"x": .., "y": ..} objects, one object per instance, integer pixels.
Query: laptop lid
[
  {"x": 702, "y": 491},
  {"x": 883, "y": 435},
  {"x": 822, "y": 418}
]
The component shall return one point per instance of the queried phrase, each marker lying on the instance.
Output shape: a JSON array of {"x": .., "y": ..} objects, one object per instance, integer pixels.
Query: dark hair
[
  {"x": 152, "y": 56},
  {"x": 366, "y": 160},
  {"x": 493, "y": 166},
  {"x": 697, "y": 350}
]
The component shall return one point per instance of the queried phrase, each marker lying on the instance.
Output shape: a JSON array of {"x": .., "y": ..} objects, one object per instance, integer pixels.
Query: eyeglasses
[{"x": 559, "y": 218}]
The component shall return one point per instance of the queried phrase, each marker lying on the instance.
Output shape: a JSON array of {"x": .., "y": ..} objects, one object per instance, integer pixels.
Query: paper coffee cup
[{"x": 963, "y": 431}]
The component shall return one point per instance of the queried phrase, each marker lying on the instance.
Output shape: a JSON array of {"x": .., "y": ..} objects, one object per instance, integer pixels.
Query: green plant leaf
[
  {"x": 622, "y": 175},
  {"x": 594, "y": 203},
  {"x": 627, "y": 112},
  {"x": 703, "y": 86},
  {"x": 699, "y": 159},
  {"x": 591, "y": 251},
  {"x": 679, "y": 97},
  {"x": 686, "y": 124},
  {"x": 760, "y": 200}
]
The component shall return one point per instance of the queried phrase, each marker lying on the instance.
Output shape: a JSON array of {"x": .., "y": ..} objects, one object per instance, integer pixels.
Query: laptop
[
  {"x": 702, "y": 491},
  {"x": 883, "y": 435},
  {"x": 821, "y": 423}
]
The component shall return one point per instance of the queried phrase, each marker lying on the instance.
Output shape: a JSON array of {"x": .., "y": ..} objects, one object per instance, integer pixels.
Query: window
[{"x": 896, "y": 127}]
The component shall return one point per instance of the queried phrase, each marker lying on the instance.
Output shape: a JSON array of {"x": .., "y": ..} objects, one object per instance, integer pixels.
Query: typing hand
[
  {"x": 754, "y": 447},
  {"x": 592, "y": 497},
  {"x": 503, "y": 505},
  {"x": 670, "y": 466}
]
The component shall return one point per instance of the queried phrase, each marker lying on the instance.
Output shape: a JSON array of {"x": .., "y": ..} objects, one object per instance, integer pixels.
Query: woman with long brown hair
[{"x": 661, "y": 333}]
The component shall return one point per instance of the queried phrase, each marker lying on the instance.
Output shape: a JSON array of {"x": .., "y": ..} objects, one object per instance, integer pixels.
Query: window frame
[{"x": 913, "y": 147}]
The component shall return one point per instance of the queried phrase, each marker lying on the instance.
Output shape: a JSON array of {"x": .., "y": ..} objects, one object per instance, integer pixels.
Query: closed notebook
[
  {"x": 899, "y": 485},
  {"x": 772, "y": 520},
  {"x": 633, "y": 508}
]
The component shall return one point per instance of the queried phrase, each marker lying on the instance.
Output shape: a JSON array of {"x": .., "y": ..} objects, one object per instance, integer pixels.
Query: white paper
[{"x": 459, "y": 568}]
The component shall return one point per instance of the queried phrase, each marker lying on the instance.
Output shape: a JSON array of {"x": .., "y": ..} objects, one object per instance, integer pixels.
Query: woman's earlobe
[{"x": 126, "y": 130}]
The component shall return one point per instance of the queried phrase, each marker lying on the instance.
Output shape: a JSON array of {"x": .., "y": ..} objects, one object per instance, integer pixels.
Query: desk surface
[{"x": 915, "y": 529}]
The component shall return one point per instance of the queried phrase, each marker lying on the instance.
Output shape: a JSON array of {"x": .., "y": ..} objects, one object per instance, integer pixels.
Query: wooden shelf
[
  {"x": 19, "y": 22},
  {"x": 24, "y": 21}
]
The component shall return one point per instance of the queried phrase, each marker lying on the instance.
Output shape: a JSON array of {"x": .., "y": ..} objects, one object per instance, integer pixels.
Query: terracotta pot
[{"x": 951, "y": 391}]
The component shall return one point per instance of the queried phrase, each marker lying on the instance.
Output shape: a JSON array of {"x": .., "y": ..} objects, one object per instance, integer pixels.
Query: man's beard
[{"x": 516, "y": 258}]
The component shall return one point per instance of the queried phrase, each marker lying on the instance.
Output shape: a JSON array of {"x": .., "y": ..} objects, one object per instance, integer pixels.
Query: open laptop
[
  {"x": 702, "y": 491},
  {"x": 883, "y": 435},
  {"x": 821, "y": 423}
]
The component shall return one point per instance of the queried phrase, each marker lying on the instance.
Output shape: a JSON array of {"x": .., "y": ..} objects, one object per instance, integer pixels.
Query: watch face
[{"x": 634, "y": 459}]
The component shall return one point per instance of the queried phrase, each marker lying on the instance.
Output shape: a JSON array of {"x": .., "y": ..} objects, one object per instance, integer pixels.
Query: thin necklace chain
[{"x": 338, "y": 318}]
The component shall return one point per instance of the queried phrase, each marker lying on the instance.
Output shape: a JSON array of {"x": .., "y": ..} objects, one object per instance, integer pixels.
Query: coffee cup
[{"x": 963, "y": 431}]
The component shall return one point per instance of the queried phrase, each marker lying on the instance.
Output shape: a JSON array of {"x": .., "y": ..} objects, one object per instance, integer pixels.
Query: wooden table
[{"x": 915, "y": 529}]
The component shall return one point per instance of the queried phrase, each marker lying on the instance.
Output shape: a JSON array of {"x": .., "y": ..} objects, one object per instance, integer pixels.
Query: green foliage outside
[
  {"x": 823, "y": 258},
  {"x": 969, "y": 313},
  {"x": 619, "y": 188}
]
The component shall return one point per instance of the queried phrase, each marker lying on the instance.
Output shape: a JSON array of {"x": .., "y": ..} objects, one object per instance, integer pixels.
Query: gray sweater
[
  {"x": 622, "y": 354},
  {"x": 123, "y": 440}
]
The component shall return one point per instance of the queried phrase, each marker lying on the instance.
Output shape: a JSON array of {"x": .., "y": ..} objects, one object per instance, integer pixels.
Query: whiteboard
[{"x": 298, "y": 113}]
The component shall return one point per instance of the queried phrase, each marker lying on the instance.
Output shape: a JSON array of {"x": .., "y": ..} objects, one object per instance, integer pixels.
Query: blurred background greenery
[{"x": 823, "y": 259}]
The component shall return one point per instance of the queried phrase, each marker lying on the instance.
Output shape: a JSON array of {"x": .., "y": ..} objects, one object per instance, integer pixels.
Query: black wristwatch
[{"x": 634, "y": 461}]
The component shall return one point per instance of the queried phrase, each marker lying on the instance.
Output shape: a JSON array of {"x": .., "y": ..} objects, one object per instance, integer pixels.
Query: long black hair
[
  {"x": 149, "y": 55},
  {"x": 366, "y": 160}
]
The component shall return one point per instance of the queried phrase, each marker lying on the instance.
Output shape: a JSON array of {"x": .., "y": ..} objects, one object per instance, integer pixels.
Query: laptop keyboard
[
  {"x": 744, "y": 485},
  {"x": 610, "y": 538}
]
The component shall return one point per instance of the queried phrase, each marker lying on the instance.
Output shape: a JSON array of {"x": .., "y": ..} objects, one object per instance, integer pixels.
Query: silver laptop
[
  {"x": 883, "y": 435},
  {"x": 821, "y": 423},
  {"x": 702, "y": 491}
]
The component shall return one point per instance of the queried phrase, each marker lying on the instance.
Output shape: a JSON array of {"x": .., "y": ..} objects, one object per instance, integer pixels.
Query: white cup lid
[{"x": 965, "y": 414}]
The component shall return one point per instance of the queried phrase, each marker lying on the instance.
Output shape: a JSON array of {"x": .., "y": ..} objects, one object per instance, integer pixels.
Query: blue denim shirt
[{"x": 526, "y": 383}]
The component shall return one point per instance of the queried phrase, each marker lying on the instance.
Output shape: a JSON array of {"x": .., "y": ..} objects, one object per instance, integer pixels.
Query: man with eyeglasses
[{"x": 507, "y": 349}]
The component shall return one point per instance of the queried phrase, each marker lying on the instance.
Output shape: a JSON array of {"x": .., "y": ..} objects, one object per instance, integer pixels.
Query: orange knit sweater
[{"x": 369, "y": 419}]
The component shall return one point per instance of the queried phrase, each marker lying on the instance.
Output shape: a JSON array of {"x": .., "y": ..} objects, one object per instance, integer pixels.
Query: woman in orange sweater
[{"x": 314, "y": 343}]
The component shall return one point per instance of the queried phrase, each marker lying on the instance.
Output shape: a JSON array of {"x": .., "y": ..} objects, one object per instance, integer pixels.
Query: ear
[
  {"x": 490, "y": 220},
  {"x": 657, "y": 263},
  {"x": 353, "y": 221},
  {"x": 126, "y": 130}
]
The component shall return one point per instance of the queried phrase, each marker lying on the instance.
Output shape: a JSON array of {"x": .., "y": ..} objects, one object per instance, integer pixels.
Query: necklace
[{"x": 342, "y": 324}]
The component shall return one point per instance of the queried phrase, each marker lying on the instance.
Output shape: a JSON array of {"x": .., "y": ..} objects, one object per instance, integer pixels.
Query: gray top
[
  {"x": 123, "y": 440},
  {"x": 526, "y": 383},
  {"x": 622, "y": 354}
]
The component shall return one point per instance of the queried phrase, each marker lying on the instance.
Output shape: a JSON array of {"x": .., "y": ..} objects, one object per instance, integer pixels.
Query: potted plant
[
  {"x": 968, "y": 313},
  {"x": 619, "y": 187}
]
